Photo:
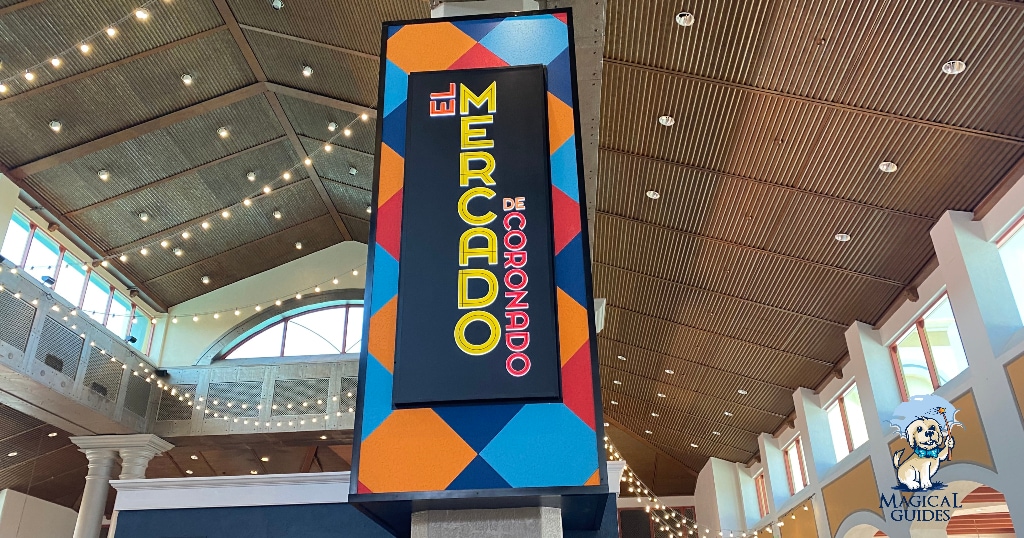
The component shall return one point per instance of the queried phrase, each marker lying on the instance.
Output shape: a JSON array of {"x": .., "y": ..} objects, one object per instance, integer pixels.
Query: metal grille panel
[
  {"x": 15, "y": 320},
  {"x": 60, "y": 348},
  {"x": 300, "y": 397},
  {"x": 238, "y": 399},
  {"x": 347, "y": 394},
  {"x": 175, "y": 406},
  {"x": 103, "y": 375},
  {"x": 136, "y": 399}
]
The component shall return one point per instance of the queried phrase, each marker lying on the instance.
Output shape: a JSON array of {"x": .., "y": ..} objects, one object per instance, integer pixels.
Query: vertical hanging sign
[{"x": 478, "y": 370}]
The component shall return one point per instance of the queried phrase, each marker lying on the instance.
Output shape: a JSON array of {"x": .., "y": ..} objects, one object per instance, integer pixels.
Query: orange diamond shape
[
  {"x": 382, "y": 334},
  {"x": 413, "y": 450},
  {"x": 428, "y": 47},
  {"x": 573, "y": 326}
]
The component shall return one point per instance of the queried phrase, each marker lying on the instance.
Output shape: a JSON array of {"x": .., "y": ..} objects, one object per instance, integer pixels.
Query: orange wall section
[
  {"x": 1015, "y": 371},
  {"x": 801, "y": 527},
  {"x": 855, "y": 491}
]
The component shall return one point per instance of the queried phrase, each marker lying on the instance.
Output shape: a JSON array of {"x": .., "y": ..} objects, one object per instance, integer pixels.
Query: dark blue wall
[{"x": 295, "y": 521}]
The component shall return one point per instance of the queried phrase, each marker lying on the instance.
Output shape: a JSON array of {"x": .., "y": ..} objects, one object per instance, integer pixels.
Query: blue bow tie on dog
[{"x": 925, "y": 453}]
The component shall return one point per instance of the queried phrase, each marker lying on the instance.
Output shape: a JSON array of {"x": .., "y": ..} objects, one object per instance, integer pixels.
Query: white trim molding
[{"x": 227, "y": 491}]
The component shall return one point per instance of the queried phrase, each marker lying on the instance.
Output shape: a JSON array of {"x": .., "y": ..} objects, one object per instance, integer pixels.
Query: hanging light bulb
[
  {"x": 123, "y": 258},
  {"x": 286, "y": 176},
  {"x": 185, "y": 234},
  {"x": 364, "y": 116},
  {"x": 144, "y": 251},
  {"x": 29, "y": 76},
  {"x": 3, "y": 88},
  {"x": 55, "y": 61},
  {"x": 225, "y": 214},
  {"x": 355, "y": 272},
  {"x": 328, "y": 148},
  {"x": 347, "y": 132},
  {"x": 111, "y": 32},
  {"x": 85, "y": 48},
  {"x": 195, "y": 318},
  {"x": 141, "y": 14},
  {"x": 307, "y": 161},
  {"x": 205, "y": 225},
  {"x": 247, "y": 202},
  {"x": 335, "y": 281},
  {"x": 266, "y": 189}
]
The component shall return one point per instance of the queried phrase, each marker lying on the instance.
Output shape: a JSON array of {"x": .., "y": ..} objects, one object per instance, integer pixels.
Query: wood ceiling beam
[
  {"x": 686, "y": 389},
  {"x": 318, "y": 99},
  {"x": 173, "y": 177},
  {"x": 688, "y": 361},
  {"x": 727, "y": 296},
  {"x": 275, "y": 103},
  {"x": 257, "y": 70},
  {"x": 618, "y": 425},
  {"x": 136, "y": 131},
  {"x": 305, "y": 41},
  {"x": 307, "y": 459},
  {"x": 770, "y": 184},
  {"x": 173, "y": 230},
  {"x": 108, "y": 66},
  {"x": 818, "y": 362},
  {"x": 91, "y": 247},
  {"x": 741, "y": 246},
  {"x": 823, "y": 103},
  {"x": 19, "y": 6}
]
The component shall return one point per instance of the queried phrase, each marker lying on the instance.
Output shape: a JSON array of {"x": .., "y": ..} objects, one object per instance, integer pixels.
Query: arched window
[{"x": 325, "y": 329}]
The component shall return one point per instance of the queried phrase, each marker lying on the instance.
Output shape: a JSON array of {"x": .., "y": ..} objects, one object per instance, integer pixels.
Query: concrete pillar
[
  {"x": 94, "y": 498},
  {"x": 988, "y": 320},
  {"x": 535, "y": 522},
  {"x": 135, "y": 450}
]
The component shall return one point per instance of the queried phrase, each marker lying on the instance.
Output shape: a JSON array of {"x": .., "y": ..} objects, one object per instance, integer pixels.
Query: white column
[
  {"x": 94, "y": 498},
  {"x": 812, "y": 422},
  {"x": 774, "y": 463},
  {"x": 135, "y": 451}
]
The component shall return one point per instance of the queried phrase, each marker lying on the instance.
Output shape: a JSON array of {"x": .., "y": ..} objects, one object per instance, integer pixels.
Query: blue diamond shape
[{"x": 477, "y": 29}]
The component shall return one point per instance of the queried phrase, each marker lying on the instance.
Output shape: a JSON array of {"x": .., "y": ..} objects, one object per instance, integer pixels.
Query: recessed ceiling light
[
  {"x": 264, "y": 458},
  {"x": 648, "y": 432},
  {"x": 254, "y": 471},
  {"x": 307, "y": 71},
  {"x": 103, "y": 175},
  {"x": 352, "y": 171},
  {"x": 55, "y": 61},
  {"x": 178, "y": 252},
  {"x": 617, "y": 382},
  {"x": 693, "y": 445},
  {"x": 613, "y": 402},
  {"x": 888, "y": 167},
  {"x": 332, "y": 126},
  {"x": 620, "y": 357},
  {"x": 323, "y": 437},
  {"x": 653, "y": 195},
  {"x": 187, "y": 79},
  {"x": 277, "y": 215},
  {"x": 685, "y": 18},
  {"x": 741, "y": 391},
  {"x": 661, "y": 395},
  {"x": 716, "y": 433},
  {"x": 954, "y": 67},
  {"x": 670, "y": 372},
  {"x": 277, "y": 4},
  {"x": 667, "y": 121},
  {"x": 11, "y": 454},
  {"x": 144, "y": 216},
  {"x": 728, "y": 414},
  {"x": 205, "y": 279},
  {"x": 55, "y": 126},
  {"x": 655, "y": 415},
  {"x": 606, "y": 424},
  {"x": 842, "y": 237},
  {"x": 369, "y": 209},
  {"x": 188, "y": 471},
  {"x": 52, "y": 434},
  {"x": 298, "y": 245},
  {"x": 141, "y": 14}
]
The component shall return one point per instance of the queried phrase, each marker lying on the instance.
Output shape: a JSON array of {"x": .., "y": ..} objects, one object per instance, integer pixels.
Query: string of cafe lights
[
  {"x": 669, "y": 519},
  {"x": 143, "y": 14},
  {"x": 84, "y": 47}
]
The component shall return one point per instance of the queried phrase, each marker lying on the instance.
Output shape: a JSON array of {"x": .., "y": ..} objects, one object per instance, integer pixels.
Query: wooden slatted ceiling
[
  {"x": 783, "y": 112},
  {"x": 124, "y": 109}
]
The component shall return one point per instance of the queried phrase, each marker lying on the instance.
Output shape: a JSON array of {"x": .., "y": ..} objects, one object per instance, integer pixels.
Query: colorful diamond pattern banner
[{"x": 480, "y": 446}]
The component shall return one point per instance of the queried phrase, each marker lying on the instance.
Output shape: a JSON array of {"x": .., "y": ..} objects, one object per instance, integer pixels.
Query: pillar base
[{"x": 532, "y": 522}]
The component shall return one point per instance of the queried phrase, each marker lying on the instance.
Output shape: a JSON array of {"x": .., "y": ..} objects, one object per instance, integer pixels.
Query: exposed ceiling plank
[
  {"x": 731, "y": 297},
  {"x": 648, "y": 444},
  {"x": 310, "y": 42},
  {"x": 688, "y": 361},
  {"x": 778, "y": 186},
  {"x": 20, "y": 5},
  {"x": 136, "y": 131},
  {"x": 622, "y": 413},
  {"x": 108, "y": 66},
  {"x": 822, "y": 103},
  {"x": 143, "y": 241},
  {"x": 236, "y": 33},
  {"x": 174, "y": 177},
  {"x": 307, "y": 459},
  {"x": 999, "y": 191},
  {"x": 755, "y": 249},
  {"x": 89, "y": 246},
  {"x": 275, "y": 103},
  {"x": 341, "y": 148},
  {"x": 318, "y": 99},
  {"x": 726, "y": 337}
]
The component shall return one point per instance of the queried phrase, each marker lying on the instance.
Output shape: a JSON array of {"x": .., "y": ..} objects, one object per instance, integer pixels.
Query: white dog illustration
[{"x": 931, "y": 445}]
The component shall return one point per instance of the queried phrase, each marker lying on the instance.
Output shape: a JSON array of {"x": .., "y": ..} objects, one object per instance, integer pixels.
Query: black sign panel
[{"x": 477, "y": 319}]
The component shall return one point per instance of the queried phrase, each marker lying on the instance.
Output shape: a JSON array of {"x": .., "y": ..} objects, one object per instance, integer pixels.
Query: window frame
[
  {"x": 284, "y": 331},
  {"x": 840, "y": 401},
  {"x": 761, "y": 492},
  {"x": 798, "y": 446},
  {"x": 926, "y": 348}
]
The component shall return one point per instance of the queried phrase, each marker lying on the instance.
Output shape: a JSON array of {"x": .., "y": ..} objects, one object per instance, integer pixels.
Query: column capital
[{"x": 140, "y": 441}]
